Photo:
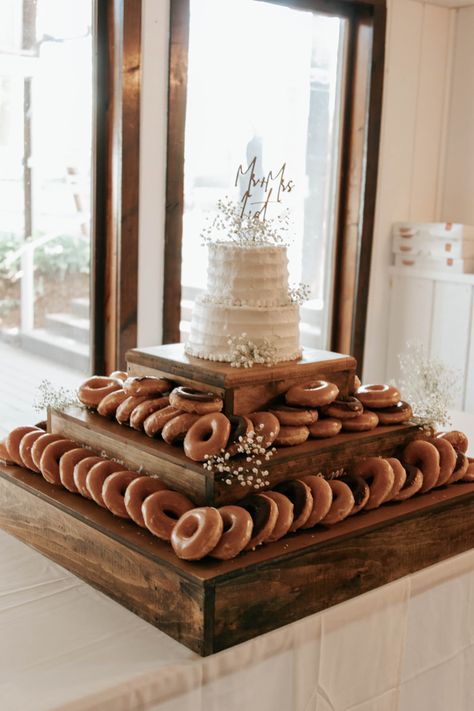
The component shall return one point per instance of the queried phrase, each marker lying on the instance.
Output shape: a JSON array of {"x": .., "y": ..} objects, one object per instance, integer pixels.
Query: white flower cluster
[
  {"x": 428, "y": 385},
  {"x": 59, "y": 398},
  {"x": 247, "y": 470},
  {"x": 244, "y": 353},
  {"x": 248, "y": 230},
  {"x": 299, "y": 294},
  {"x": 335, "y": 474}
]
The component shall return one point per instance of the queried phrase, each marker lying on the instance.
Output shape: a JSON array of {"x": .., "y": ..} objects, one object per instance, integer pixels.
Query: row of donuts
[
  {"x": 193, "y": 417},
  {"x": 260, "y": 518},
  {"x": 311, "y": 500}
]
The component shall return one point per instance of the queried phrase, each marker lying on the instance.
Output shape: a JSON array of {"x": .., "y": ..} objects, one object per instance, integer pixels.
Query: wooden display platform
[
  {"x": 210, "y": 605},
  {"x": 153, "y": 456},
  {"x": 244, "y": 390}
]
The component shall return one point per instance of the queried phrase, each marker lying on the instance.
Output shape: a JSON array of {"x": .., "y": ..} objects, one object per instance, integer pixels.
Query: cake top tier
[{"x": 254, "y": 275}]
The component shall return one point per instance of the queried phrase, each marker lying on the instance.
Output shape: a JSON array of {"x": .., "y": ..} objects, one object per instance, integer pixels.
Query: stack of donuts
[
  {"x": 194, "y": 419},
  {"x": 265, "y": 517}
]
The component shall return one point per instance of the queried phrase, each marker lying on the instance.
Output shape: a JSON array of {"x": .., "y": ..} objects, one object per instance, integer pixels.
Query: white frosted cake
[{"x": 247, "y": 293}]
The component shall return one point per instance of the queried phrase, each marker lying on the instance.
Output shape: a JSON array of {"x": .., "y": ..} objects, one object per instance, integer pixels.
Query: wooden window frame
[
  {"x": 358, "y": 173},
  {"x": 114, "y": 272}
]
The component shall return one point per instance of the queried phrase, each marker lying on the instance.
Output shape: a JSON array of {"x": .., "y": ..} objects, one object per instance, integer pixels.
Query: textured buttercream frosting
[{"x": 247, "y": 293}]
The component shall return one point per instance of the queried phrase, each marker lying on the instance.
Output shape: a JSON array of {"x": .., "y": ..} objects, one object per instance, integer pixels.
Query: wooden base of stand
[
  {"x": 211, "y": 605},
  {"x": 153, "y": 456}
]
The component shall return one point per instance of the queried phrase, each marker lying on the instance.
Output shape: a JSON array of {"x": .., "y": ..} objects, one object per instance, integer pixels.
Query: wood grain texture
[
  {"x": 154, "y": 456},
  {"x": 212, "y": 605},
  {"x": 178, "y": 77}
]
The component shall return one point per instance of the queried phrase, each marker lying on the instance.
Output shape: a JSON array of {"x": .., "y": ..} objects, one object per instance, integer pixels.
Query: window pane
[
  {"x": 46, "y": 84},
  {"x": 265, "y": 81}
]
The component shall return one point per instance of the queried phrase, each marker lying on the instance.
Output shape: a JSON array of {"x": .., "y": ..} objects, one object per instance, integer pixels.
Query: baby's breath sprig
[
  {"x": 244, "y": 352},
  {"x": 429, "y": 385},
  {"x": 248, "y": 230},
  {"x": 248, "y": 469},
  {"x": 50, "y": 396},
  {"x": 299, "y": 293},
  {"x": 334, "y": 474}
]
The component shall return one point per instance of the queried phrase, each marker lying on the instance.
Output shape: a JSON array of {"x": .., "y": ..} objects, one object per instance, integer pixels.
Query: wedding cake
[{"x": 247, "y": 304}]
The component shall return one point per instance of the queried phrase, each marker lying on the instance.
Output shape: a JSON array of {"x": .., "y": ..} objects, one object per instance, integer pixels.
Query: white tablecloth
[{"x": 408, "y": 646}]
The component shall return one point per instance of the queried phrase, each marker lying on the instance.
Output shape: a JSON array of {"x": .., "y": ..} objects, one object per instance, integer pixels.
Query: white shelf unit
[{"x": 436, "y": 309}]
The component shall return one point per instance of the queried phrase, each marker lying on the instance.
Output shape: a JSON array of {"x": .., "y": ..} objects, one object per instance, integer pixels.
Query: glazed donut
[
  {"x": 237, "y": 532},
  {"x": 145, "y": 409},
  {"x": 96, "y": 476},
  {"x": 126, "y": 408},
  {"x": 81, "y": 470},
  {"x": 327, "y": 427},
  {"x": 322, "y": 499},
  {"x": 94, "y": 389},
  {"x": 119, "y": 375},
  {"x": 4, "y": 456},
  {"x": 146, "y": 386},
  {"x": 426, "y": 457},
  {"x": 66, "y": 467},
  {"x": 360, "y": 491},
  {"x": 395, "y": 414},
  {"x": 344, "y": 408},
  {"x": 136, "y": 493},
  {"x": 26, "y": 444},
  {"x": 301, "y": 497},
  {"x": 400, "y": 477},
  {"x": 266, "y": 426},
  {"x": 40, "y": 445},
  {"x": 175, "y": 430},
  {"x": 462, "y": 465},
  {"x": 314, "y": 394},
  {"x": 380, "y": 478},
  {"x": 49, "y": 463},
  {"x": 197, "y": 533},
  {"x": 355, "y": 385},
  {"x": 195, "y": 401},
  {"x": 375, "y": 396},
  {"x": 113, "y": 491},
  {"x": 155, "y": 422},
  {"x": 289, "y": 436},
  {"x": 294, "y": 416},
  {"x": 109, "y": 404},
  {"x": 362, "y": 423},
  {"x": 342, "y": 503},
  {"x": 412, "y": 485},
  {"x": 207, "y": 437},
  {"x": 457, "y": 439},
  {"x": 162, "y": 510},
  {"x": 264, "y": 513},
  {"x": 447, "y": 459},
  {"x": 285, "y": 515},
  {"x": 469, "y": 475},
  {"x": 13, "y": 442},
  {"x": 240, "y": 427}
]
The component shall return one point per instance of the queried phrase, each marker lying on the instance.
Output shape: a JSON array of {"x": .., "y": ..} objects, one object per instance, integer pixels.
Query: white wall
[
  {"x": 412, "y": 151},
  {"x": 458, "y": 202},
  {"x": 153, "y": 128}
]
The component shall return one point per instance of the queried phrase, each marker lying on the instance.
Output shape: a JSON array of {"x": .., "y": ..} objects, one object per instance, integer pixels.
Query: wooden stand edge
[{"x": 211, "y": 605}]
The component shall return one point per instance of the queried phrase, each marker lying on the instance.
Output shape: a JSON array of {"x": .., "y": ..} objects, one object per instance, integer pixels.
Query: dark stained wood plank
[
  {"x": 178, "y": 70},
  {"x": 259, "y": 601}
]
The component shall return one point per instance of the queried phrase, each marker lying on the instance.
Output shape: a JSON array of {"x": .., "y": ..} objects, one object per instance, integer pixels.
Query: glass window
[
  {"x": 270, "y": 86},
  {"x": 46, "y": 93}
]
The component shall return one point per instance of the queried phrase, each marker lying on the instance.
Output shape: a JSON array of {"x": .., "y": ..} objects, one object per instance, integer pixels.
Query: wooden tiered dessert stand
[{"x": 211, "y": 605}]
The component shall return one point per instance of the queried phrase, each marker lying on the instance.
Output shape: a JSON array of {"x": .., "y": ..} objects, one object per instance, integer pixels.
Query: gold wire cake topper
[
  {"x": 238, "y": 221},
  {"x": 270, "y": 186}
]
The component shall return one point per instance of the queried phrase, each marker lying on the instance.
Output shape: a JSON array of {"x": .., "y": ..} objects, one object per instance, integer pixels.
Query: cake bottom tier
[{"x": 213, "y": 324}]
